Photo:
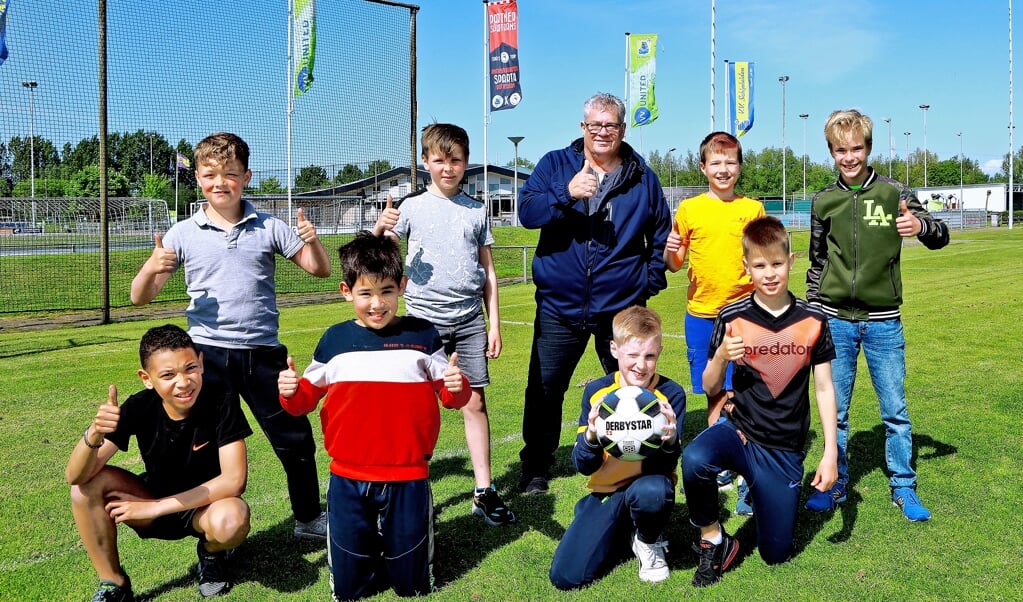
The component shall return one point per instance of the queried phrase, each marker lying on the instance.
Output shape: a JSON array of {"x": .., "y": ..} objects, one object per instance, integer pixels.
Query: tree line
[
  {"x": 762, "y": 171},
  {"x": 140, "y": 164}
]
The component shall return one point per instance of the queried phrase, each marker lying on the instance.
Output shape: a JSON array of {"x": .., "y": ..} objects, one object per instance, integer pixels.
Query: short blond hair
[
  {"x": 635, "y": 322},
  {"x": 841, "y": 123},
  {"x": 220, "y": 148}
]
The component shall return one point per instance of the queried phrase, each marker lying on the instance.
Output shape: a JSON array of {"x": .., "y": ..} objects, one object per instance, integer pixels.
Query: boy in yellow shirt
[{"x": 709, "y": 228}]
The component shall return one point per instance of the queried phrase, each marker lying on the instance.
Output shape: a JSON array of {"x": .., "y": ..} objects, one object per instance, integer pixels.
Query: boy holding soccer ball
[
  {"x": 774, "y": 341},
  {"x": 630, "y": 502},
  {"x": 382, "y": 376},
  {"x": 192, "y": 442}
]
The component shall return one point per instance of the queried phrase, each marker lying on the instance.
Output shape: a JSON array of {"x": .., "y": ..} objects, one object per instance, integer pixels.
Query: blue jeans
[
  {"x": 774, "y": 477},
  {"x": 884, "y": 347},
  {"x": 557, "y": 349},
  {"x": 600, "y": 533}
]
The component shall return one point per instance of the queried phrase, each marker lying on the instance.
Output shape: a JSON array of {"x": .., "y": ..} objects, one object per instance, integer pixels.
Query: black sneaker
[
  {"x": 535, "y": 486},
  {"x": 488, "y": 504},
  {"x": 111, "y": 592},
  {"x": 213, "y": 575},
  {"x": 714, "y": 559}
]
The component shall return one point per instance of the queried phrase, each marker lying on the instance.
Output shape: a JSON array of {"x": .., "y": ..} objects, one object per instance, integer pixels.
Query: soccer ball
[{"x": 630, "y": 423}]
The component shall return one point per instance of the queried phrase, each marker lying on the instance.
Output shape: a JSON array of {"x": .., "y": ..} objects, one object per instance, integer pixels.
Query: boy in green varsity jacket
[{"x": 857, "y": 227}]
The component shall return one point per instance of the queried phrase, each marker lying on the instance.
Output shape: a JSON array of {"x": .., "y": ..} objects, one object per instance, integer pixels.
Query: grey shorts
[{"x": 469, "y": 339}]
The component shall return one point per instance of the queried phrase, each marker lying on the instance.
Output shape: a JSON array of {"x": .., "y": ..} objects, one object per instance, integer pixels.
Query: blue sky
[{"x": 885, "y": 58}]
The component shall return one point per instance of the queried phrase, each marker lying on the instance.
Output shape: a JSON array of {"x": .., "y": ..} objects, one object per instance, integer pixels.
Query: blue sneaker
[
  {"x": 742, "y": 505},
  {"x": 823, "y": 501},
  {"x": 725, "y": 478},
  {"x": 906, "y": 499}
]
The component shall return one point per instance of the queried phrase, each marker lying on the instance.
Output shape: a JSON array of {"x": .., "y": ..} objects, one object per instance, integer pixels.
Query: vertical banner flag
[
  {"x": 503, "y": 29},
  {"x": 304, "y": 36},
  {"x": 3, "y": 30},
  {"x": 183, "y": 162},
  {"x": 642, "y": 72},
  {"x": 740, "y": 97}
]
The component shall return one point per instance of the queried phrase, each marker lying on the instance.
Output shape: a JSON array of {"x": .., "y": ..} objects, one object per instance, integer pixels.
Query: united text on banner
[
  {"x": 503, "y": 32},
  {"x": 642, "y": 73},
  {"x": 740, "y": 97},
  {"x": 3, "y": 30},
  {"x": 304, "y": 36}
]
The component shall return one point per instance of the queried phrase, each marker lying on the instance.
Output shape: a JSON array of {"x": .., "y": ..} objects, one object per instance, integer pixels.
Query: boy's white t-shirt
[{"x": 444, "y": 236}]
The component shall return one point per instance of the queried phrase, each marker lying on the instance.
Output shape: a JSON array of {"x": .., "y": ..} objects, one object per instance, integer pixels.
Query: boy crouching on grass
[
  {"x": 774, "y": 341},
  {"x": 382, "y": 375},
  {"x": 631, "y": 502},
  {"x": 193, "y": 447}
]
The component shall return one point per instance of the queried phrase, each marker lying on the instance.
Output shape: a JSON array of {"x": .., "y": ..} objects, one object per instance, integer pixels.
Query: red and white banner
[{"x": 503, "y": 34}]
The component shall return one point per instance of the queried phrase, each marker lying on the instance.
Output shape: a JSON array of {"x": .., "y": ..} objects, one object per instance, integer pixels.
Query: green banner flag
[
  {"x": 304, "y": 38},
  {"x": 642, "y": 72}
]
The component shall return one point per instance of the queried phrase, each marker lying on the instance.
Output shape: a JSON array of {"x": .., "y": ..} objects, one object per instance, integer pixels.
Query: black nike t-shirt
[{"x": 180, "y": 454}]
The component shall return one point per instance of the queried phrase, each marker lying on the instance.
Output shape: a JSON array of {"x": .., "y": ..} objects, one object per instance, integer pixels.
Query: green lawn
[{"x": 962, "y": 326}]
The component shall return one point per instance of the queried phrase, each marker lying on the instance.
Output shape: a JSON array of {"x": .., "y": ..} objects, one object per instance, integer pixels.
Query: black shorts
[{"x": 170, "y": 526}]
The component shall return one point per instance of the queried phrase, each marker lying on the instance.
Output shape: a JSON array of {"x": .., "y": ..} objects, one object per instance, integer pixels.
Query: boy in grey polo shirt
[
  {"x": 451, "y": 280},
  {"x": 229, "y": 253}
]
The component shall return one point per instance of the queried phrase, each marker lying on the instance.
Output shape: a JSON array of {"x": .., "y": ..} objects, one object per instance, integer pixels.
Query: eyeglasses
[{"x": 594, "y": 128}]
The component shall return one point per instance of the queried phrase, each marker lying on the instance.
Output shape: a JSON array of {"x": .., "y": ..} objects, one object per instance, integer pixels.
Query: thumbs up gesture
[
  {"x": 287, "y": 380},
  {"x": 107, "y": 417},
  {"x": 584, "y": 184},
  {"x": 674, "y": 243},
  {"x": 453, "y": 375},
  {"x": 907, "y": 224},
  {"x": 731, "y": 347},
  {"x": 305, "y": 228},
  {"x": 163, "y": 260},
  {"x": 387, "y": 219}
]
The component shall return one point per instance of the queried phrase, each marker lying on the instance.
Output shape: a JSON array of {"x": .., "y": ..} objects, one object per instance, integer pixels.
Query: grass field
[{"x": 964, "y": 353}]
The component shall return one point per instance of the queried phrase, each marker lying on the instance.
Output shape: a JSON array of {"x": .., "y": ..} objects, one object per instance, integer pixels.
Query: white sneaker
[
  {"x": 653, "y": 567},
  {"x": 315, "y": 529}
]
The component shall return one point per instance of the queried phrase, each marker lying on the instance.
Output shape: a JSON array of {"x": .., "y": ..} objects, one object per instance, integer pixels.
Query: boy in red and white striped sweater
[{"x": 382, "y": 376}]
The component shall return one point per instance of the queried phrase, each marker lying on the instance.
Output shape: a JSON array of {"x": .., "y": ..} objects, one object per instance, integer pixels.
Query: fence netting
[{"x": 177, "y": 72}]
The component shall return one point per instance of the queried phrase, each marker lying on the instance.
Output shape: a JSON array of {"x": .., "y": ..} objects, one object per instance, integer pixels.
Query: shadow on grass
[
  {"x": 32, "y": 345},
  {"x": 461, "y": 543},
  {"x": 866, "y": 451},
  {"x": 273, "y": 558}
]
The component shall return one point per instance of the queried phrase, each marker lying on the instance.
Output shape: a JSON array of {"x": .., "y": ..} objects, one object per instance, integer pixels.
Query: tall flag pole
[
  {"x": 642, "y": 76},
  {"x": 486, "y": 101},
  {"x": 3, "y": 30},
  {"x": 740, "y": 97},
  {"x": 289, "y": 69},
  {"x": 713, "y": 74},
  {"x": 301, "y": 56}
]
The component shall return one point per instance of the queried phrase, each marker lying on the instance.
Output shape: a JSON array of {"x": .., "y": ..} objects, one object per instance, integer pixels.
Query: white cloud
[{"x": 992, "y": 167}]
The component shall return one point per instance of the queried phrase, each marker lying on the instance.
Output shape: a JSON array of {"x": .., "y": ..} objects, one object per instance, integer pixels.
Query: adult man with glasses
[{"x": 603, "y": 223}]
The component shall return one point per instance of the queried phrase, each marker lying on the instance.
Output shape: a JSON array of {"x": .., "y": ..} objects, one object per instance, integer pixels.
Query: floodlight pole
[
  {"x": 671, "y": 170},
  {"x": 907, "y": 158},
  {"x": 515, "y": 186},
  {"x": 961, "y": 215},
  {"x": 924, "y": 109},
  {"x": 803, "y": 116},
  {"x": 783, "y": 79},
  {"x": 31, "y": 86},
  {"x": 888, "y": 120}
]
